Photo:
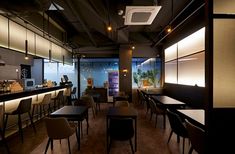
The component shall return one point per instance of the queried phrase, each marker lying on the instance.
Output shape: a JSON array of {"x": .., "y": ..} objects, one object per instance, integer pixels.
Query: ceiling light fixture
[
  {"x": 109, "y": 28},
  {"x": 133, "y": 47},
  {"x": 169, "y": 28}
]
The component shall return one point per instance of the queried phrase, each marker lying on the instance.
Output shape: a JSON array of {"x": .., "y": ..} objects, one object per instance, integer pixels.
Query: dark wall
[{"x": 191, "y": 95}]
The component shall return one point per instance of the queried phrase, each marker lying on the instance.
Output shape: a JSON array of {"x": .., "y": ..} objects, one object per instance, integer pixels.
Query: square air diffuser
[{"x": 140, "y": 15}]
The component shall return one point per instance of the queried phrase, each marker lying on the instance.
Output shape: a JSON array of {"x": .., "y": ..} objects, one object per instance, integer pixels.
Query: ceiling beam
[{"x": 75, "y": 13}]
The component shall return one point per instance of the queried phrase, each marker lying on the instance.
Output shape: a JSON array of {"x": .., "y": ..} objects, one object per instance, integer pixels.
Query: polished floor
[{"x": 151, "y": 140}]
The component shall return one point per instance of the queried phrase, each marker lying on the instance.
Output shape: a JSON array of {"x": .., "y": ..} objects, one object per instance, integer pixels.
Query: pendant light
[
  {"x": 169, "y": 27},
  {"x": 26, "y": 43}
]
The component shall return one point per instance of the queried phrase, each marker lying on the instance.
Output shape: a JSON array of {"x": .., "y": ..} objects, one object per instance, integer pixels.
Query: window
[{"x": 185, "y": 60}]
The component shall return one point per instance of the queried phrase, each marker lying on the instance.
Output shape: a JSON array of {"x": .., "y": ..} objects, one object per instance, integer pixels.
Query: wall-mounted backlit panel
[
  {"x": 3, "y": 32},
  {"x": 17, "y": 34},
  {"x": 42, "y": 47},
  {"x": 171, "y": 53},
  {"x": 223, "y": 64},
  {"x": 224, "y": 6},
  {"x": 192, "y": 44},
  {"x": 56, "y": 52},
  {"x": 31, "y": 42},
  {"x": 171, "y": 72},
  {"x": 191, "y": 70}
]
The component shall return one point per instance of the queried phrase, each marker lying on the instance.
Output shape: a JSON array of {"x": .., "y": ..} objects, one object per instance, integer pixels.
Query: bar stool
[
  {"x": 46, "y": 101},
  {"x": 23, "y": 107},
  {"x": 59, "y": 99},
  {"x": 3, "y": 141}
]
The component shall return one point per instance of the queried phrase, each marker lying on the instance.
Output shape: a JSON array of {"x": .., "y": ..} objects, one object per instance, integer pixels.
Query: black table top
[
  {"x": 167, "y": 100},
  {"x": 122, "y": 112},
  {"x": 151, "y": 92},
  {"x": 70, "y": 111}
]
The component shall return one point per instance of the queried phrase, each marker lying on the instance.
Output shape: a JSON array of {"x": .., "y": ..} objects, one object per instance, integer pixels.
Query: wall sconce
[{"x": 124, "y": 71}]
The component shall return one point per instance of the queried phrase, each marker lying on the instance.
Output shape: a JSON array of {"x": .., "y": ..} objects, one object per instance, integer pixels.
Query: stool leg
[
  {"x": 5, "y": 125},
  {"x": 20, "y": 128},
  {"x": 32, "y": 123}
]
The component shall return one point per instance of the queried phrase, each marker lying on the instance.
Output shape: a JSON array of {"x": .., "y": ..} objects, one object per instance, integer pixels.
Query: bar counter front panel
[{"x": 10, "y": 101}]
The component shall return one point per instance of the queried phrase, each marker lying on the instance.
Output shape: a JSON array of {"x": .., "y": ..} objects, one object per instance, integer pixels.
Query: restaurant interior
[{"x": 117, "y": 76}]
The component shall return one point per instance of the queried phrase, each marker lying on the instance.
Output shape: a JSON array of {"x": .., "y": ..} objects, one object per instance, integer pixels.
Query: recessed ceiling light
[{"x": 109, "y": 28}]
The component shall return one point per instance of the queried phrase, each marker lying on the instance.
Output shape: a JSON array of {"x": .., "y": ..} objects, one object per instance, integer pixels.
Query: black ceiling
[{"x": 85, "y": 21}]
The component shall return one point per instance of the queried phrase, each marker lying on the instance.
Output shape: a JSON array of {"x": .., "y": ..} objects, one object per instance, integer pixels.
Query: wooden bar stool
[
  {"x": 23, "y": 107},
  {"x": 46, "y": 101},
  {"x": 59, "y": 99}
]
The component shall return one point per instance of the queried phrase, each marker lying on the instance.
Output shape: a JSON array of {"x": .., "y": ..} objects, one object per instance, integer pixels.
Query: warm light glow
[
  {"x": 26, "y": 57},
  {"x": 133, "y": 47},
  {"x": 168, "y": 29},
  {"x": 171, "y": 53},
  {"x": 109, "y": 28},
  {"x": 124, "y": 70},
  {"x": 192, "y": 44}
]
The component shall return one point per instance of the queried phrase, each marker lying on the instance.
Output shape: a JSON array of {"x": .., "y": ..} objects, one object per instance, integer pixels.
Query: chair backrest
[
  {"x": 24, "y": 106},
  {"x": 121, "y": 128},
  {"x": 196, "y": 136},
  {"x": 74, "y": 90},
  {"x": 121, "y": 104},
  {"x": 46, "y": 99},
  {"x": 88, "y": 100},
  {"x": 176, "y": 123},
  {"x": 60, "y": 94},
  {"x": 58, "y": 128}
]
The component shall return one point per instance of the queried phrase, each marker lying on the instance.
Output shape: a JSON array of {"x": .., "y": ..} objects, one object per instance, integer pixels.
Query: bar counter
[
  {"x": 6, "y": 96},
  {"x": 10, "y": 100}
]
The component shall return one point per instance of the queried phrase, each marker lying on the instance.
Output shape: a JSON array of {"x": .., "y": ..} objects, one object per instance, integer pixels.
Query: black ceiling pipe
[
  {"x": 181, "y": 12},
  {"x": 159, "y": 41},
  {"x": 68, "y": 3}
]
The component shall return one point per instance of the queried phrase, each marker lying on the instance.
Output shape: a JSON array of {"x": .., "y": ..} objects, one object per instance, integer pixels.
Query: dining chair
[
  {"x": 73, "y": 93},
  {"x": 177, "y": 126},
  {"x": 120, "y": 129},
  {"x": 57, "y": 129},
  {"x": 196, "y": 137},
  {"x": 157, "y": 110},
  {"x": 121, "y": 104},
  {"x": 89, "y": 101}
]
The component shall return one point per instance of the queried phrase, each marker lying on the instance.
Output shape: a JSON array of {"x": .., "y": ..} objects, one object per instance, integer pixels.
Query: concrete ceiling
[{"x": 85, "y": 21}]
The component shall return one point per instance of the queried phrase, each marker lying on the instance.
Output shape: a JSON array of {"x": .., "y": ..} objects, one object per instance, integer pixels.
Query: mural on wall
[
  {"x": 148, "y": 78},
  {"x": 25, "y": 71},
  {"x": 146, "y": 72}
]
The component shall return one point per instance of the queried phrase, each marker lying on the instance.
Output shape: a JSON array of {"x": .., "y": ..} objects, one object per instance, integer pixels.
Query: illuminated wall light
[
  {"x": 109, "y": 28},
  {"x": 133, "y": 47},
  {"x": 124, "y": 71}
]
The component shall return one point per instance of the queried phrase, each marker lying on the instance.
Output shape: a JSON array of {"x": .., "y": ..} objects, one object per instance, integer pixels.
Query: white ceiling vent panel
[{"x": 140, "y": 15}]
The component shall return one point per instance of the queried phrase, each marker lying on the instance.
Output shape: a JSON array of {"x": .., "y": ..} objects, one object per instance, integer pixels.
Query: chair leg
[
  {"x": 51, "y": 144},
  {"x": 183, "y": 144},
  {"x": 164, "y": 121},
  {"x": 81, "y": 128},
  {"x": 32, "y": 123},
  {"x": 33, "y": 110},
  {"x": 20, "y": 128},
  {"x": 190, "y": 150},
  {"x": 132, "y": 149},
  {"x": 48, "y": 142},
  {"x": 156, "y": 121},
  {"x": 151, "y": 116},
  {"x": 170, "y": 136},
  {"x": 109, "y": 146},
  {"x": 69, "y": 146}
]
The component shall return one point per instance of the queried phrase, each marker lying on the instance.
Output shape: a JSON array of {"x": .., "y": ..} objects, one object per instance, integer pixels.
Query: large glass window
[
  {"x": 54, "y": 71},
  {"x": 99, "y": 72},
  {"x": 146, "y": 72}
]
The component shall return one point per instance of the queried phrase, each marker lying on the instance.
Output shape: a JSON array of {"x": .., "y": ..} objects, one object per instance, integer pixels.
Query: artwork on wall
[{"x": 25, "y": 71}]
